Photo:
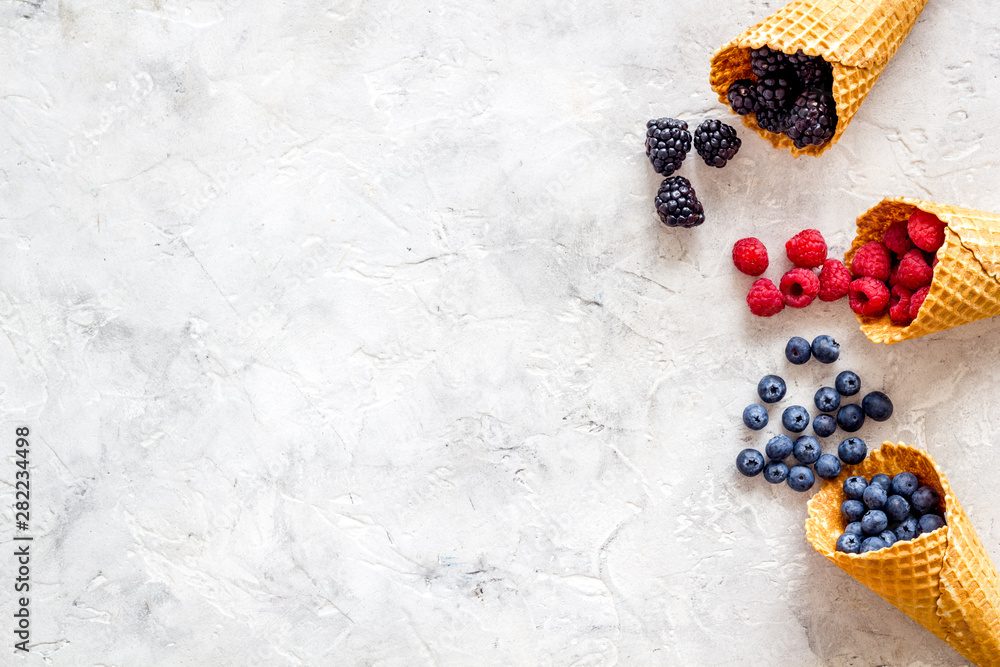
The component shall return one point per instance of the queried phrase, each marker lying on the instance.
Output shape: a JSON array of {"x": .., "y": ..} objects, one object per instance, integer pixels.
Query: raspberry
[
  {"x": 897, "y": 239},
  {"x": 834, "y": 280},
  {"x": 750, "y": 256},
  {"x": 872, "y": 260},
  {"x": 799, "y": 287},
  {"x": 764, "y": 298},
  {"x": 894, "y": 275},
  {"x": 917, "y": 300},
  {"x": 899, "y": 305},
  {"x": 868, "y": 296},
  {"x": 807, "y": 248},
  {"x": 914, "y": 271},
  {"x": 925, "y": 230}
]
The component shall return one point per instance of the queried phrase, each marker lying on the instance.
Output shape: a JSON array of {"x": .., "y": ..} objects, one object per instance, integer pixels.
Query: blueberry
[
  {"x": 779, "y": 447},
  {"x": 904, "y": 484},
  {"x": 795, "y": 418},
  {"x": 854, "y": 528},
  {"x": 908, "y": 529},
  {"x": 828, "y": 466},
  {"x": 750, "y": 462},
  {"x": 854, "y": 487},
  {"x": 873, "y": 544},
  {"x": 852, "y": 451},
  {"x": 755, "y": 416},
  {"x": 925, "y": 499},
  {"x": 807, "y": 449},
  {"x": 824, "y": 425},
  {"x": 929, "y": 522},
  {"x": 849, "y": 543},
  {"x": 771, "y": 389},
  {"x": 825, "y": 349},
  {"x": 874, "y": 522},
  {"x": 775, "y": 472},
  {"x": 848, "y": 383},
  {"x": 877, "y": 406},
  {"x": 897, "y": 508},
  {"x": 827, "y": 399},
  {"x": 797, "y": 350},
  {"x": 800, "y": 478},
  {"x": 882, "y": 480},
  {"x": 850, "y": 418},
  {"x": 888, "y": 537},
  {"x": 874, "y": 497},
  {"x": 852, "y": 510}
]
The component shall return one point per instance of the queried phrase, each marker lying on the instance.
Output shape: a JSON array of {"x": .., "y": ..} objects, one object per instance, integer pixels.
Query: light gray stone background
[{"x": 347, "y": 335}]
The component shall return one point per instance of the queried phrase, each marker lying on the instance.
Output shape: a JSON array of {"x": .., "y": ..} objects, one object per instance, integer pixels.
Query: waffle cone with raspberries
[
  {"x": 966, "y": 282},
  {"x": 857, "y": 37},
  {"x": 944, "y": 580}
]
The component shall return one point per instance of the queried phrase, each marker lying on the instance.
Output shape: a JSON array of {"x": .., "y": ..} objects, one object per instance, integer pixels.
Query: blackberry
[
  {"x": 815, "y": 72},
  {"x": 765, "y": 60},
  {"x": 778, "y": 90},
  {"x": 773, "y": 120},
  {"x": 716, "y": 143},
  {"x": 742, "y": 96},
  {"x": 667, "y": 144},
  {"x": 677, "y": 204},
  {"x": 813, "y": 119}
]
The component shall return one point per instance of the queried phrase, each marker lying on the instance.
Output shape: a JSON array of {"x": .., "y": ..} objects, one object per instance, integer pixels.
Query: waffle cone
[
  {"x": 857, "y": 37},
  {"x": 966, "y": 285},
  {"x": 943, "y": 580}
]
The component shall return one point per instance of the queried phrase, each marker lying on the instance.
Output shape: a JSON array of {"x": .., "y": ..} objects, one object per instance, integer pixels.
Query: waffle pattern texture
[
  {"x": 857, "y": 37},
  {"x": 966, "y": 285},
  {"x": 943, "y": 580}
]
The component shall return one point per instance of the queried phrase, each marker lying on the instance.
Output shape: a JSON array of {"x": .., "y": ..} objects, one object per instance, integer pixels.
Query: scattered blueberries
[
  {"x": 849, "y": 543},
  {"x": 904, "y": 484},
  {"x": 807, "y": 449},
  {"x": 874, "y": 497},
  {"x": 827, "y": 399},
  {"x": 925, "y": 499},
  {"x": 824, "y": 425},
  {"x": 771, "y": 389},
  {"x": 850, "y": 418},
  {"x": 779, "y": 447},
  {"x": 852, "y": 451},
  {"x": 797, "y": 350},
  {"x": 886, "y": 515},
  {"x": 828, "y": 466},
  {"x": 854, "y": 487},
  {"x": 873, "y": 544},
  {"x": 755, "y": 416},
  {"x": 877, "y": 406},
  {"x": 825, "y": 349},
  {"x": 750, "y": 462},
  {"x": 848, "y": 383},
  {"x": 775, "y": 472},
  {"x": 874, "y": 522},
  {"x": 852, "y": 510},
  {"x": 795, "y": 418},
  {"x": 801, "y": 478}
]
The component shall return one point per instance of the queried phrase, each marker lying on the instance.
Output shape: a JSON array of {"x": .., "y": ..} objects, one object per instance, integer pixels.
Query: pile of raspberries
[
  {"x": 791, "y": 94},
  {"x": 801, "y": 285},
  {"x": 895, "y": 273}
]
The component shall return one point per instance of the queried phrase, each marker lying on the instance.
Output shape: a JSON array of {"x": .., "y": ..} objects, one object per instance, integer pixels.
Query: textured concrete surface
[{"x": 347, "y": 335}]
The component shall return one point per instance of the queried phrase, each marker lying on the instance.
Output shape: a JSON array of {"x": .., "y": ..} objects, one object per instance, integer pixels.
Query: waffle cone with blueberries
[
  {"x": 943, "y": 579},
  {"x": 798, "y": 77}
]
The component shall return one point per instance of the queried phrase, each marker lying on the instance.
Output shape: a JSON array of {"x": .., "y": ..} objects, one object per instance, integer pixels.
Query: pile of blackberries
[{"x": 791, "y": 94}]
